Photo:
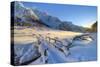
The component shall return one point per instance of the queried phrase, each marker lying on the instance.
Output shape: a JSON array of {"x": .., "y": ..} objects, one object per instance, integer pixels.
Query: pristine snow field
[{"x": 54, "y": 46}]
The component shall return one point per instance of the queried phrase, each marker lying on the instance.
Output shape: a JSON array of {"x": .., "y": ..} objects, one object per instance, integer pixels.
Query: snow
[
  {"x": 67, "y": 48},
  {"x": 87, "y": 52}
]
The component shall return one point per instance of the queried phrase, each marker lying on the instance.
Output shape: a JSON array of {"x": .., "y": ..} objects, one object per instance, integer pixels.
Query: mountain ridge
[{"x": 33, "y": 17}]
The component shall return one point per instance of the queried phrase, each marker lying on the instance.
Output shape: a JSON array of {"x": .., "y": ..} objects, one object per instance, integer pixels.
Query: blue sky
[{"x": 77, "y": 14}]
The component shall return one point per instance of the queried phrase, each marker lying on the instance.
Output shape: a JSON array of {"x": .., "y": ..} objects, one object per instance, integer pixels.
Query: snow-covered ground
[{"x": 53, "y": 46}]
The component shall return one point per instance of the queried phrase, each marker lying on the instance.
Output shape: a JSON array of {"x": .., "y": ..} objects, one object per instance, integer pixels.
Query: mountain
[
  {"x": 71, "y": 27},
  {"x": 94, "y": 27},
  {"x": 25, "y": 16}
]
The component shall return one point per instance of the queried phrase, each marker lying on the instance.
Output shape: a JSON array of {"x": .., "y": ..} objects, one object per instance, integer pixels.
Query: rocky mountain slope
[{"x": 24, "y": 16}]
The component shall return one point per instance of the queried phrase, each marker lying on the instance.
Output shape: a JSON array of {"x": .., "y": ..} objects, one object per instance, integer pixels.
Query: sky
[{"x": 77, "y": 14}]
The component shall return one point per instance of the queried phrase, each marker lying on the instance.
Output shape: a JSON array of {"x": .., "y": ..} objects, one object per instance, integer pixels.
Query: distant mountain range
[{"x": 24, "y": 16}]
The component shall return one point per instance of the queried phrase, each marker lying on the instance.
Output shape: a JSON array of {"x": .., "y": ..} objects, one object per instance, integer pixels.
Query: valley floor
[{"x": 53, "y": 46}]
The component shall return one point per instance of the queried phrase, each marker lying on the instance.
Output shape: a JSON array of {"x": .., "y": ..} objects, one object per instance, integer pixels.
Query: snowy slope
[
  {"x": 65, "y": 49},
  {"x": 87, "y": 51},
  {"x": 23, "y": 12}
]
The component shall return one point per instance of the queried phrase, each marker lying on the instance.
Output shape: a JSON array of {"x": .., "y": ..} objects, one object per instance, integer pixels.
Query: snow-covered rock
[
  {"x": 23, "y": 12},
  {"x": 33, "y": 16}
]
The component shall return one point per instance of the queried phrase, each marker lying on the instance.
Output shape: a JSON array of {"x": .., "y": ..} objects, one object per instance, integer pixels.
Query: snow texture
[{"x": 60, "y": 51}]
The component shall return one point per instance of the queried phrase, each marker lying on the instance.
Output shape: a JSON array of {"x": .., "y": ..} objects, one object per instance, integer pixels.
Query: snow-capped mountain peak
[{"x": 33, "y": 15}]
